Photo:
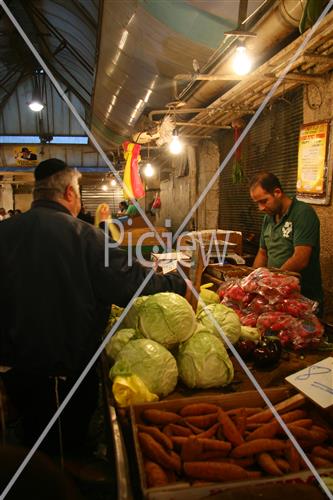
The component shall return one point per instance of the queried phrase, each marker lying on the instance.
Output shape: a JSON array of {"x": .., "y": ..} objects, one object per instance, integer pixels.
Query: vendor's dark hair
[{"x": 268, "y": 181}]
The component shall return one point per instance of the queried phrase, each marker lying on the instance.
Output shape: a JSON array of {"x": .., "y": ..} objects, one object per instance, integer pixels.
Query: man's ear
[
  {"x": 277, "y": 192},
  {"x": 69, "y": 192}
]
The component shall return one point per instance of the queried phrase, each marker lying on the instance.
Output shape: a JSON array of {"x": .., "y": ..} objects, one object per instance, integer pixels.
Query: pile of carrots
[{"x": 203, "y": 442}]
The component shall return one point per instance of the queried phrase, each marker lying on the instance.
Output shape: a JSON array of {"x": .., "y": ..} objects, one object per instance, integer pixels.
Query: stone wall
[{"x": 319, "y": 107}]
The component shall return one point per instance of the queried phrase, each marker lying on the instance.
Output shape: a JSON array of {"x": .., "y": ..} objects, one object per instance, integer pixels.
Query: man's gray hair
[{"x": 54, "y": 186}]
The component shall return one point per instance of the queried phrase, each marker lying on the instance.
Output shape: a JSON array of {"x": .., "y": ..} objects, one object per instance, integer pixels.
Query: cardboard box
[{"x": 184, "y": 490}]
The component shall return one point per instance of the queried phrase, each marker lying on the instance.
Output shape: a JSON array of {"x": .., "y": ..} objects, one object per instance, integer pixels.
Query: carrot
[
  {"x": 214, "y": 444},
  {"x": 179, "y": 430},
  {"x": 160, "y": 437},
  {"x": 303, "y": 422},
  {"x": 198, "y": 409},
  {"x": 257, "y": 446},
  {"x": 282, "y": 464},
  {"x": 268, "y": 464},
  {"x": 178, "y": 441},
  {"x": 240, "y": 422},
  {"x": 160, "y": 417},
  {"x": 229, "y": 429},
  {"x": 193, "y": 428},
  {"x": 254, "y": 474},
  {"x": 248, "y": 411},
  {"x": 156, "y": 453},
  {"x": 209, "y": 432},
  {"x": 155, "y": 475},
  {"x": 192, "y": 449},
  {"x": 264, "y": 431},
  {"x": 214, "y": 471},
  {"x": 321, "y": 462},
  {"x": 167, "y": 430},
  {"x": 202, "y": 421},
  {"x": 322, "y": 452},
  {"x": 293, "y": 457},
  {"x": 283, "y": 407},
  {"x": 291, "y": 416}
]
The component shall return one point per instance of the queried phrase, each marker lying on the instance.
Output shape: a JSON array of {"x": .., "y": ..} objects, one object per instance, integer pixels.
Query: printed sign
[
  {"x": 316, "y": 382},
  {"x": 312, "y": 149},
  {"x": 26, "y": 156}
]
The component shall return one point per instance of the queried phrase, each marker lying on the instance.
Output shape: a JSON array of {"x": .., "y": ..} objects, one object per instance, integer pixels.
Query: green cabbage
[
  {"x": 151, "y": 362},
  {"x": 225, "y": 317},
  {"x": 203, "y": 361},
  {"x": 250, "y": 333},
  {"x": 118, "y": 341},
  {"x": 131, "y": 318},
  {"x": 208, "y": 297},
  {"x": 167, "y": 318}
]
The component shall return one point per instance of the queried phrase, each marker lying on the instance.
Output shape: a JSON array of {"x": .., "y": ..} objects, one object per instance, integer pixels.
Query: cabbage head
[
  {"x": 167, "y": 318},
  {"x": 151, "y": 362},
  {"x": 225, "y": 317},
  {"x": 208, "y": 297},
  {"x": 131, "y": 318},
  {"x": 203, "y": 361},
  {"x": 118, "y": 341}
]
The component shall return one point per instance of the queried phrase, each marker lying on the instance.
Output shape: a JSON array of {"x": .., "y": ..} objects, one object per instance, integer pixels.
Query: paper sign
[
  {"x": 168, "y": 267},
  {"x": 316, "y": 382}
]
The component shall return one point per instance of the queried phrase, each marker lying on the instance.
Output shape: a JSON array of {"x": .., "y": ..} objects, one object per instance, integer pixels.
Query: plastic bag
[
  {"x": 131, "y": 390},
  {"x": 299, "y": 307}
]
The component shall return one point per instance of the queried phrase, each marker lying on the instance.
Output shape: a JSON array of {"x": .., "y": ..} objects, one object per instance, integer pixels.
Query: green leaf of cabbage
[
  {"x": 151, "y": 362},
  {"x": 203, "y": 361},
  {"x": 167, "y": 318},
  {"x": 118, "y": 341},
  {"x": 131, "y": 318},
  {"x": 225, "y": 317}
]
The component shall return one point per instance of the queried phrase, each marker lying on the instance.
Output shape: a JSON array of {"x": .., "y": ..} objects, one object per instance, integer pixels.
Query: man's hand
[{"x": 261, "y": 258}]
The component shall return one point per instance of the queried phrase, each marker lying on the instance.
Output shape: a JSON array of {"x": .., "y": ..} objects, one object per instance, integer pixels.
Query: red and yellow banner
[{"x": 133, "y": 187}]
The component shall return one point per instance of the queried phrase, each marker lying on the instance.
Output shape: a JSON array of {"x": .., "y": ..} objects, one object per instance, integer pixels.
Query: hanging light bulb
[
  {"x": 175, "y": 145},
  {"x": 113, "y": 183},
  {"x": 36, "y": 101},
  {"x": 148, "y": 170},
  {"x": 104, "y": 187},
  {"x": 241, "y": 63}
]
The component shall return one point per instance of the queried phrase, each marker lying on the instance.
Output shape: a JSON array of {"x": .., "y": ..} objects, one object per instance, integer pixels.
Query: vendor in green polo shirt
[{"x": 290, "y": 234}]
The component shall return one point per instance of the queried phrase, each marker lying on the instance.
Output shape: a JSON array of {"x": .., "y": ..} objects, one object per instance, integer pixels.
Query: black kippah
[{"x": 49, "y": 167}]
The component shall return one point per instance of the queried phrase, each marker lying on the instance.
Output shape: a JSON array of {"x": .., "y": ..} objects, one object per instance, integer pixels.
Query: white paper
[{"x": 316, "y": 382}]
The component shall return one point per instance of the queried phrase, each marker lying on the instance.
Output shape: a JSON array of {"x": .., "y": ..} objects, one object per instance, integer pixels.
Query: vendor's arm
[
  {"x": 299, "y": 260},
  {"x": 261, "y": 258},
  {"x": 305, "y": 237},
  {"x": 117, "y": 280}
]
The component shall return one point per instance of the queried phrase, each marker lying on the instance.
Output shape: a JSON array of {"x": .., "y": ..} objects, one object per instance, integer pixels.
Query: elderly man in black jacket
[{"x": 55, "y": 297}]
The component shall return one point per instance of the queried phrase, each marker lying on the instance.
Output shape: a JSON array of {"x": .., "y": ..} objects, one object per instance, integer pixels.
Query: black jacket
[{"x": 55, "y": 292}]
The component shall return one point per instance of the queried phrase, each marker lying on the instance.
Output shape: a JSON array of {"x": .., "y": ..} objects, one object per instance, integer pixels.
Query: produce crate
[{"x": 184, "y": 489}]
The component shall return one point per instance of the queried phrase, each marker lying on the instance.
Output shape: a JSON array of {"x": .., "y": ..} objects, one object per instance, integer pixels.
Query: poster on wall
[
  {"x": 26, "y": 156},
  {"x": 312, "y": 173}
]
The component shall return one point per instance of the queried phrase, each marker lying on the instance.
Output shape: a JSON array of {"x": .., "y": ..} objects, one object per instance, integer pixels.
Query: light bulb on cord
[
  {"x": 241, "y": 63},
  {"x": 113, "y": 183},
  {"x": 148, "y": 170},
  {"x": 36, "y": 101},
  {"x": 104, "y": 187},
  {"x": 175, "y": 145}
]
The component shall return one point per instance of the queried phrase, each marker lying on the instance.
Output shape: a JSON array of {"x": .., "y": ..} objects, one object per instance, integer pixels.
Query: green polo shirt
[
  {"x": 298, "y": 226},
  {"x": 132, "y": 211}
]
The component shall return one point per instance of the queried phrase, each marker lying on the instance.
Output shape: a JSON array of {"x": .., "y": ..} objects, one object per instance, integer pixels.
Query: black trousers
[{"x": 34, "y": 397}]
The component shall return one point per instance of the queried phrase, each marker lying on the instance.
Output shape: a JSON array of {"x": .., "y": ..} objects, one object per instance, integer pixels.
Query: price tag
[
  {"x": 316, "y": 382},
  {"x": 168, "y": 267}
]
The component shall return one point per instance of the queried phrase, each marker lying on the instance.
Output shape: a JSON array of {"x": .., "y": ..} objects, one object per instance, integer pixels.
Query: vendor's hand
[{"x": 104, "y": 212}]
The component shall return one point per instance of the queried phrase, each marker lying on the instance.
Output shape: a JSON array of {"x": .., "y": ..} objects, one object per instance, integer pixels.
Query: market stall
[{"x": 283, "y": 338}]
